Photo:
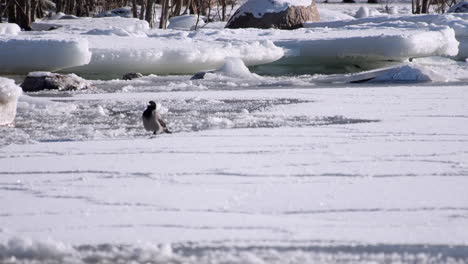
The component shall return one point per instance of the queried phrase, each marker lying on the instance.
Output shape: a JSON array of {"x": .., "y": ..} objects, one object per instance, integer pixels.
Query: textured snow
[
  {"x": 9, "y": 29},
  {"x": 258, "y": 170},
  {"x": 9, "y": 93}
]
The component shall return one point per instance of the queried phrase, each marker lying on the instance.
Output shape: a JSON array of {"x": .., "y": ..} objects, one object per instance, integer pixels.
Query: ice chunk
[
  {"x": 232, "y": 68},
  {"x": 23, "y": 53},
  {"x": 235, "y": 67},
  {"x": 362, "y": 12},
  {"x": 410, "y": 73},
  {"x": 9, "y": 93},
  {"x": 9, "y": 29},
  {"x": 185, "y": 22}
]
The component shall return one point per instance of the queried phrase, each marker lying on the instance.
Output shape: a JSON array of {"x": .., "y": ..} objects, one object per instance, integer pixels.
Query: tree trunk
[
  {"x": 149, "y": 12},
  {"x": 425, "y": 6},
  {"x": 11, "y": 9},
  {"x": 142, "y": 9},
  {"x": 178, "y": 7},
  {"x": 134, "y": 8}
]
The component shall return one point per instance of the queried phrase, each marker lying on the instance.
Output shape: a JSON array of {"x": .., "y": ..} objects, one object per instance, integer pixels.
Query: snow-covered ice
[{"x": 297, "y": 172}]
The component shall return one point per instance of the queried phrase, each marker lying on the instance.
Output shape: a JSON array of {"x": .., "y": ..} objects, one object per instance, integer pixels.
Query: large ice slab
[
  {"x": 458, "y": 22},
  {"x": 25, "y": 53},
  {"x": 169, "y": 55}
]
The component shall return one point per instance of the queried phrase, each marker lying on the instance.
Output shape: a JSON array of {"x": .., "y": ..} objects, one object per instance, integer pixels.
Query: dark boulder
[
  {"x": 38, "y": 81},
  {"x": 290, "y": 17},
  {"x": 132, "y": 75}
]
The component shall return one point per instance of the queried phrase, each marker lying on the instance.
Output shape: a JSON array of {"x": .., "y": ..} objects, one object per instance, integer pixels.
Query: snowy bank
[
  {"x": 9, "y": 93},
  {"x": 25, "y": 53},
  {"x": 9, "y": 29}
]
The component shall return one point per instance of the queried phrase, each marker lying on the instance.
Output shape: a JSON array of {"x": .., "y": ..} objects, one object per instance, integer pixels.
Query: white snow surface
[
  {"x": 9, "y": 29},
  {"x": 9, "y": 93}
]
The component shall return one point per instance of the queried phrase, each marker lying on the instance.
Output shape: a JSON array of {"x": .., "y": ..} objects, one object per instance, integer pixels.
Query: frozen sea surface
[{"x": 273, "y": 170}]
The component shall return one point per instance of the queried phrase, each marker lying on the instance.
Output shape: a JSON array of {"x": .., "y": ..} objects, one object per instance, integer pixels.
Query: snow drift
[
  {"x": 9, "y": 29},
  {"x": 9, "y": 93}
]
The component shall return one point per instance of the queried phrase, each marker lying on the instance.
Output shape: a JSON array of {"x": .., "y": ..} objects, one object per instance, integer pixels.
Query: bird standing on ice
[{"x": 152, "y": 120}]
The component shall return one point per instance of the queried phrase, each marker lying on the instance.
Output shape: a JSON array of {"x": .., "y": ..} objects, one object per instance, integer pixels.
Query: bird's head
[{"x": 152, "y": 105}]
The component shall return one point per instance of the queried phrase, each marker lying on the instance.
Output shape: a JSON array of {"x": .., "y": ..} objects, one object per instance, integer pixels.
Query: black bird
[{"x": 152, "y": 120}]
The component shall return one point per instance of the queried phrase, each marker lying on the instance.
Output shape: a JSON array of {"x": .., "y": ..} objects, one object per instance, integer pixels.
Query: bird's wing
[{"x": 163, "y": 124}]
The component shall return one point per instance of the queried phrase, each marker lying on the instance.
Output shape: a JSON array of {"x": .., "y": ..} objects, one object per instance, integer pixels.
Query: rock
[
  {"x": 38, "y": 81},
  {"x": 461, "y": 7},
  {"x": 132, "y": 75},
  {"x": 9, "y": 93},
  {"x": 200, "y": 75},
  {"x": 274, "y": 14}
]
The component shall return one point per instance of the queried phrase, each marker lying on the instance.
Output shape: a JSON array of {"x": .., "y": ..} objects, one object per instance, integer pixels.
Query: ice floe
[
  {"x": 25, "y": 53},
  {"x": 9, "y": 93}
]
